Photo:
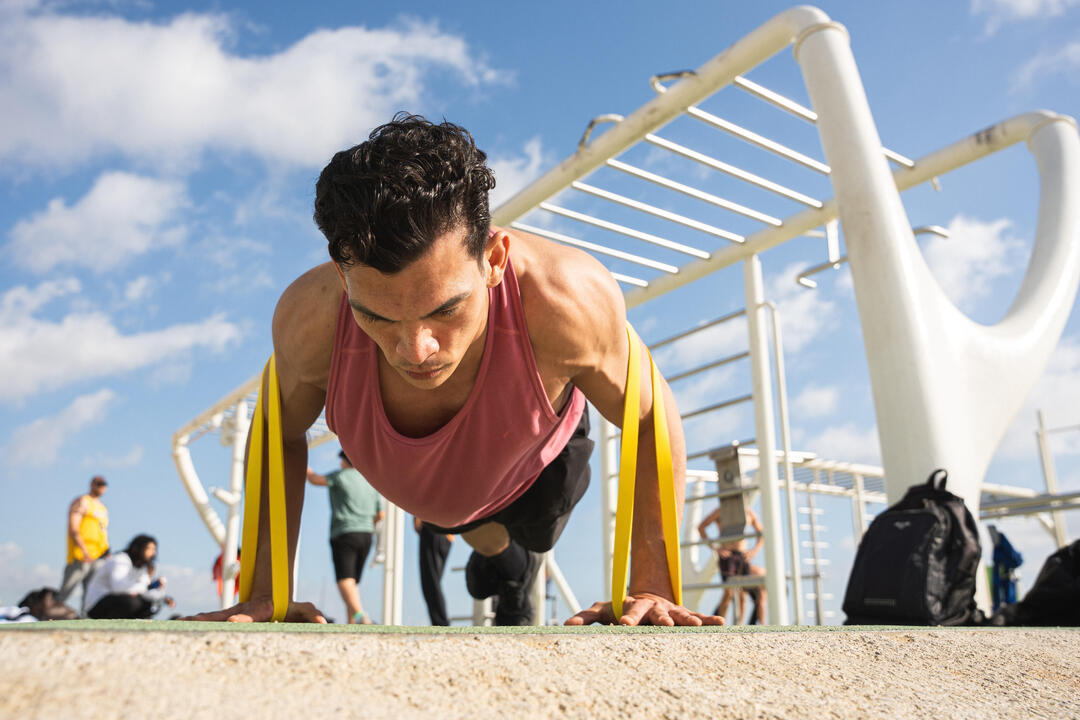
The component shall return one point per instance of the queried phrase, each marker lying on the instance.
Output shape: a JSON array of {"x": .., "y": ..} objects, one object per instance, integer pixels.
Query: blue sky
[{"x": 158, "y": 163}]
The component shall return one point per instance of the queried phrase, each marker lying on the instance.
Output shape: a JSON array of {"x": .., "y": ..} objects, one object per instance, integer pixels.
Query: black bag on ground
[
  {"x": 1054, "y": 599},
  {"x": 916, "y": 564}
]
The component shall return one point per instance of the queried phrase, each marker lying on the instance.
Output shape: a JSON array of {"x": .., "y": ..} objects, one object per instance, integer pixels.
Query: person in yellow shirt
[{"x": 87, "y": 539}]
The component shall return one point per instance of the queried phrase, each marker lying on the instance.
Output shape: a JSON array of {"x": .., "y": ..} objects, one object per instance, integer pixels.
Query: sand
[{"x": 214, "y": 673}]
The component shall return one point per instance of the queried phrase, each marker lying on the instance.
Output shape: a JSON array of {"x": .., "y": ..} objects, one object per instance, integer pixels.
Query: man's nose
[{"x": 417, "y": 344}]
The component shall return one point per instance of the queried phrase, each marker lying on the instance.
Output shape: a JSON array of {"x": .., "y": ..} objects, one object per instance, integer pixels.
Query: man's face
[
  {"x": 427, "y": 316},
  {"x": 97, "y": 487}
]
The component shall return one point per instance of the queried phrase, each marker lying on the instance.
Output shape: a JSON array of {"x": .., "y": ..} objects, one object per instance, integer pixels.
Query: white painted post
[
  {"x": 230, "y": 568},
  {"x": 789, "y": 468},
  {"x": 1050, "y": 478},
  {"x": 767, "y": 482},
  {"x": 393, "y": 569},
  {"x": 609, "y": 485}
]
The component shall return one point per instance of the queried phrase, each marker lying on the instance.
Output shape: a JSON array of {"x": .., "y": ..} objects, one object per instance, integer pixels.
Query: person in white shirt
[{"x": 123, "y": 587}]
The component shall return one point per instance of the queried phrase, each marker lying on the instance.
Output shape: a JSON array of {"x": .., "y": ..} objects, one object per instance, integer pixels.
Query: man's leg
[
  {"x": 88, "y": 575},
  {"x": 349, "y": 550},
  {"x": 759, "y": 597},
  {"x": 350, "y": 594},
  {"x": 74, "y": 572},
  {"x": 725, "y": 601},
  {"x": 434, "y": 547},
  {"x": 501, "y": 566}
]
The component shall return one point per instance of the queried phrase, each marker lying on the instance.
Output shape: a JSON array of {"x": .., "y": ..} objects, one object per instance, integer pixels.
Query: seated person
[
  {"x": 733, "y": 559},
  {"x": 123, "y": 587}
]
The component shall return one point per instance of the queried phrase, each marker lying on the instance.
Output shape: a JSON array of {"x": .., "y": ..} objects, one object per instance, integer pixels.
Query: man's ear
[{"x": 496, "y": 256}]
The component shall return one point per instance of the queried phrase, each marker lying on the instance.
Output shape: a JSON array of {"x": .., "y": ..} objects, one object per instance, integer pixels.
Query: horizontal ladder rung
[
  {"x": 733, "y": 171},
  {"x": 696, "y": 194},
  {"x": 656, "y": 212},
  {"x": 602, "y": 249},
  {"x": 623, "y": 230}
]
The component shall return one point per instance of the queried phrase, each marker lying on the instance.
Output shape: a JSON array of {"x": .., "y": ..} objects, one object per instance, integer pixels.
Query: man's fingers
[
  {"x": 711, "y": 619},
  {"x": 635, "y": 609},
  {"x": 595, "y": 614},
  {"x": 682, "y": 616}
]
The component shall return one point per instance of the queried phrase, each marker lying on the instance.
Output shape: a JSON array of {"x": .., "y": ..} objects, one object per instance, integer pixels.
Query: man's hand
[
  {"x": 261, "y": 611},
  {"x": 644, "y": 609}
]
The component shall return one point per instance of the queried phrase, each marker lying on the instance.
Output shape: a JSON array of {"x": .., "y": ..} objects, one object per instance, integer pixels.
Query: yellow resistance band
[
  {"x": 279, "y": 546},
  {"x": 624, "y": 515}
]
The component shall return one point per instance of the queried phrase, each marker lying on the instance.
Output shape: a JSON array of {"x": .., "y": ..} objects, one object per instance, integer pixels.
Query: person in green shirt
[{"x": 355, "y": 507}]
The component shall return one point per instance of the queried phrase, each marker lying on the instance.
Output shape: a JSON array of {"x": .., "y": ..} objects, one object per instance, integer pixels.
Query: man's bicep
[{"x": 606, "y": 385}]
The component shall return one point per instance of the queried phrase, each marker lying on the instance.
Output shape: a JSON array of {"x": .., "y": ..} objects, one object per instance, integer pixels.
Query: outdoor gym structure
[{"x": 945, "y": 388}]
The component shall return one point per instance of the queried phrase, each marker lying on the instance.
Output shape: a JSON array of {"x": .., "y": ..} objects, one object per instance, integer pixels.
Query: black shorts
[
  {"x": 733, "y": 565},
  {"x": 350, "y": 550},
  {"x": 537, "y": 518}
]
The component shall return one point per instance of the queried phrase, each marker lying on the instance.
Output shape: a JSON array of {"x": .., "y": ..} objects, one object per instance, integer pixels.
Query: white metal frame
[{"x": 944, "y": 387}]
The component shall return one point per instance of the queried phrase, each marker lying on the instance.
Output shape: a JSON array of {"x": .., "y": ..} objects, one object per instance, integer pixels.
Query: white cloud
[
  {"x": 512, "y": 173},
  {"x": 1063, "y": 61},
  {"x": 122, "y": 216},
  {"x": 803, "y": 315},
  {"x": 815, "y": 401},
  {"x": 85, "y": 86},
  {"x": 846, "y": 443},
  {"x": 999, "y": 12},
  {"x": 38, "y": 354},
  {"x": 17, "y": 578},
  {"x": 138, "y": 289},
  {"x": 131, "y": 458},
  {"x": 38, "y": 443},
  {"x": 974, "y": 255}
]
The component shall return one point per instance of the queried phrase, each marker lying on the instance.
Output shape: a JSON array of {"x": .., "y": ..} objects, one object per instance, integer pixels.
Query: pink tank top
[{"x": 480, "y": 461}]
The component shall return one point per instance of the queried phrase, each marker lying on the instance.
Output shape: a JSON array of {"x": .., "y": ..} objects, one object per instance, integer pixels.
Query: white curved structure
[{"x": 945, "y": 388}]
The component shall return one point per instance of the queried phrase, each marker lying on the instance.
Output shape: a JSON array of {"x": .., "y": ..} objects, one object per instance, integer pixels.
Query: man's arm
[
  {"x": 76, "y": 513},
  {"x": 303, "y": 331},
  {"x": 592, "y": 338},
  {"x": 752, "y": 517},
  {"x": 713, "y": 517},
  {"x": 315, "y": 478}
]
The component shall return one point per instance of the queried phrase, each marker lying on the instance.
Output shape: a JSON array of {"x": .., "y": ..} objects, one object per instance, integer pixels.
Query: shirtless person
[
  {"x": 734, "y": 561},
  {"x": 454, "y": 360}
]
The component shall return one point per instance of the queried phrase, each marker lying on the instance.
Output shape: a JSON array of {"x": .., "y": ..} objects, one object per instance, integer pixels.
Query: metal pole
[
  {"x": 230, "y": 568},
  {"x": 858, "y": 507},
  {"x": 818, "y": 609},
  {"x": 789, "y": 470},
  {"x": 1050, "y": 478},
  {"x": 609, "y": 484},
  {"x": 775, "y": 582}
]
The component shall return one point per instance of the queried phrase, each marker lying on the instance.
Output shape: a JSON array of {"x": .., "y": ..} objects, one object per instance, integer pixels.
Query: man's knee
[{"x": 488, "y": 540}]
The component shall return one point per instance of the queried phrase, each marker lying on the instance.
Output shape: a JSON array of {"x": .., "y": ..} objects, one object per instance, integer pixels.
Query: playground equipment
[{"x": 944, "y": 387}]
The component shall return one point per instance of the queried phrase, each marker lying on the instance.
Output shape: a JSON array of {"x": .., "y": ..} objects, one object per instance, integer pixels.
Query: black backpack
[
  {"x": 916, "y": 564},
  {"x": 1054, "y": 599}
]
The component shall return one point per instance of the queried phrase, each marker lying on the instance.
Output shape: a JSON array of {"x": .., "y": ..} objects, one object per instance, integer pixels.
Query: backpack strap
[{"x": 940, "y": 485}]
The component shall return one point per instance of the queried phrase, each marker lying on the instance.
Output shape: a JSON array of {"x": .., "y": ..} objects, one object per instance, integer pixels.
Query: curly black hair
[{"x": 384, "y": 202}]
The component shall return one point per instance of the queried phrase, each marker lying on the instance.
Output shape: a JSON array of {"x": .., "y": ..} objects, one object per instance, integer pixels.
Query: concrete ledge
[{"x": 54, "y": 670}]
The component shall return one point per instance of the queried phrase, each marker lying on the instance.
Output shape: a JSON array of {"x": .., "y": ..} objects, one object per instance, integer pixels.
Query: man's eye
[
  {"x": 368, "y": 317},
  {"x": 447, "y": 312}
]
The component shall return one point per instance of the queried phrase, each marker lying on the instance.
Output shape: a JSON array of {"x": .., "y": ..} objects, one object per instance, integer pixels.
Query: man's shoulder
[
  {"x": 304, "y": 323},
  {"x": 571, "y": 301}
]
